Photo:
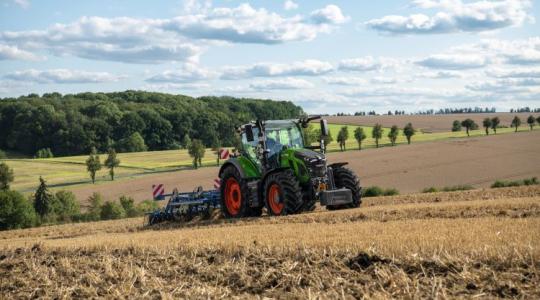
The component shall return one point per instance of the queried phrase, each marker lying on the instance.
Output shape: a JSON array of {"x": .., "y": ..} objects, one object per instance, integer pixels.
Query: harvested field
[
  {"x": 409, "y": 168},
  {"x": 456, "y": 244},
  {"x": 428, "y": 123}
]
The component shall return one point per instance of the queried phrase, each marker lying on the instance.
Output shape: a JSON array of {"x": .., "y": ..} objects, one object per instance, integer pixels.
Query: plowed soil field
[{"x": 428, "y": 123}]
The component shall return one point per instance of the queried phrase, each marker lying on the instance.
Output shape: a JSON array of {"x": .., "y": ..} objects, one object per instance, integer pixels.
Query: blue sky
[{"x": 337, "y": 56}]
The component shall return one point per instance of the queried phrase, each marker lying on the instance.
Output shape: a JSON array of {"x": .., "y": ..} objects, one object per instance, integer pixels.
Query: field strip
[
  {"x": 487, "y": 235},
  {"x": 478, "y": 194},
  {"x": 517, "y": 208}
]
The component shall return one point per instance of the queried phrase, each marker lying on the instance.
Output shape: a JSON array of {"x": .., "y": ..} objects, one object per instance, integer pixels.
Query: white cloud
[
  {"x": 309, "y": 67},
  {"x": 22, "y": 3},
  {"x": 514, "y": 87},
  {"x": 245, "y": 24},
  {"x": 456, "y": 16},
  {"x": 514, "y": 73},
  {"x": 384, "y": 80},
  {"x": 281, "y": 84},
  {"x": 176, "y": 87},
  {"x": 14, "y": 53},
  {"x": 187, "y": 73},
  {"x": 453, "y": 61},
  {"x": 331, "y": 14},
  {"x": 62, "y": 76},
  {"x": 180, "y": 39},
  {"x": 290, "y": 5},
  {"x": 441, "y": 75},
  {"x": 351, "y": 81},
  {"x": 368, "y": 63},
  {"x": 116, "y": 39}
]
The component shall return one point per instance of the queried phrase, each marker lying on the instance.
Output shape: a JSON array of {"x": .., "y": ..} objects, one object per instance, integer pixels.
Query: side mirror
[
  {"x": 324, "y": 127},
  {"x": 248, "y": 129}
]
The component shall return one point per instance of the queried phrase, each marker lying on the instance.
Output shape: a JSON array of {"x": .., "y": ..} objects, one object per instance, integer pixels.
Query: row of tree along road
[{"x": 492, "y": 123}]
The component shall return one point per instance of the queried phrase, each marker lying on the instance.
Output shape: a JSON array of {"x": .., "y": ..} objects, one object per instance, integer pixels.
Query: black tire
[
  {"x": 244, "y": 210},
  {"x": 310, "y": 203},
  {"x": 289, "y": 192},
  {"x": 346, "y": 178}
]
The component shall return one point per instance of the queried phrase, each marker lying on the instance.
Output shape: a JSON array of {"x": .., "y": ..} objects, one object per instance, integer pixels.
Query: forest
[{"x": 128, "y": 121}]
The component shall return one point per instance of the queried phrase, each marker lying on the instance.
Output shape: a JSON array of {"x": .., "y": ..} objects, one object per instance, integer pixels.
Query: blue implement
[{"x": 186, "y": 206}]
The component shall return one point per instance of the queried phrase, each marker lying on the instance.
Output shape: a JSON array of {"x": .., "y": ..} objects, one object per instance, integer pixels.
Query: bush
[
  {"x": 6, "y": 176},
  {"x": 94, "y": 212},
  {"x": 430, "y": 190},
  {"x": 129, "y": 206},
  {"x": 391, "y": 192},
  {"x": 15, "y": 211},
  {"x": 463, "y": 187},
  {"x": 112, "y": 211},
  {"x": 503, "y": 183},
  {"x": 147, "y": 206},
  {"x": 3, "y": 155},
  {"x": 375, "y": 191},
  {"x": 66, "y": 206},
  {"x": 44, "y": 153}
]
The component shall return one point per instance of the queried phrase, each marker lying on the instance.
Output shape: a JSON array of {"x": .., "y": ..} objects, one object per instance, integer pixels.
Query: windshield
[
  {"x": 282, "y": 133},
  {"x": 278, "y": 134}
]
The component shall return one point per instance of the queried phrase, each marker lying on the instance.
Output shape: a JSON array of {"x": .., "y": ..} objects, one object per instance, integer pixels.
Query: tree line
[
  {"x": 492, "y": 123},
  {"x": 129, "y": 121}
]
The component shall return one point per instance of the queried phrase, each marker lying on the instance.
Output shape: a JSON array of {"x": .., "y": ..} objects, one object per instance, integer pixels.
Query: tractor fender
[
  {"x": 232, "y": 162},
  {"x": 338, "y": 165},
  {"x": 263, "y": 179}
]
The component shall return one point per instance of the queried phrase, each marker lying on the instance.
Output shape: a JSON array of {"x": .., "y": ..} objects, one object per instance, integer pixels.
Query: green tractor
[{"x": 274, "y": 169}]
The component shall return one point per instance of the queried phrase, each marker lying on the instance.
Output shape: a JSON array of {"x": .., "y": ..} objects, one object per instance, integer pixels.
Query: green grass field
[
  {"x": 61, "y": 172},
  {"x": 369, "y": 142}
]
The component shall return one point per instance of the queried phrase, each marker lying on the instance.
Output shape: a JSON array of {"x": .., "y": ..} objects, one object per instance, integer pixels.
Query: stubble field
[{"x": 482, "y": 243}]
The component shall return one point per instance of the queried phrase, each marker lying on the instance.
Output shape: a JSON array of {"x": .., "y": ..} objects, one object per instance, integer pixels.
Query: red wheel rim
[
  {"x": 233, "y": 196},
  {"x": 273, "y": 199}
]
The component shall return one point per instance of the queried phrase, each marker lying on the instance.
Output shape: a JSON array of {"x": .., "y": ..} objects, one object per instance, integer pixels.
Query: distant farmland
[{"x": 429, "y": 123}]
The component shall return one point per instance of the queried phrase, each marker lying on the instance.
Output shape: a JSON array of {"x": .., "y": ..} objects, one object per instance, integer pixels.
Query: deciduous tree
[
  {"x": 342, "y": 138},
  {"x": 495, "y": 121},
  {"x": 516, "y": 122},
  {"x": 531, "y": 121},
  {"x": 93, "y": 164},
  {"x": 456, "y": 126},
  {"x": 196, "y": 151},
  {"x": 112, "y": 162},
  {"x": 487, "y": 124},
  {"x": 409, "y": 131},
  {"x": 377, "y": 133},
  {"x": 469, "y": 124},
  {"x": 359, "y": 136},
  {"x": 393, "y": 134}
]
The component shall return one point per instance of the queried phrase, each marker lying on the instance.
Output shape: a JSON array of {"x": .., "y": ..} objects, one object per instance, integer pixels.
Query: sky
[{"x": 326, "y": 56}]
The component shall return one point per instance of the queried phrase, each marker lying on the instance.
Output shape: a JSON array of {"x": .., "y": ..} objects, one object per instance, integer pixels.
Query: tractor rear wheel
[
  {"x": 282, "y": 194},
  {"x": 234, "y": 194},
  {"x": 346, "y": 178}
]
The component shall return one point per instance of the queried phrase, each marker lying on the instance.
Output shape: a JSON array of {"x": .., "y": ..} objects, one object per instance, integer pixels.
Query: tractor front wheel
[
  {"x": 346, "y": 178},
  {"x": 234, "y": 194},
  {"x": 282, "y": 194}
]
